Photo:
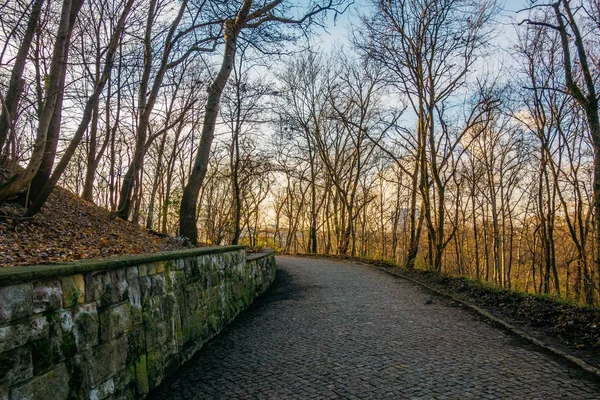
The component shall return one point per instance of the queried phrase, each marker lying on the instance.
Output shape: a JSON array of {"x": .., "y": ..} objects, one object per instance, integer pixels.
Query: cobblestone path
[{"x": 338, "y": 330}]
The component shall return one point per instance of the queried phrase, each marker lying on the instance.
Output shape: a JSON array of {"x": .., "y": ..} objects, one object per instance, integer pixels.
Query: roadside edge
[{"x": 502, "y": 324}]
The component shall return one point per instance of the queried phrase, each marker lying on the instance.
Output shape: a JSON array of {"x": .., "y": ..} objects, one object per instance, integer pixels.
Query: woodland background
[{"x": 428, "y": 139}]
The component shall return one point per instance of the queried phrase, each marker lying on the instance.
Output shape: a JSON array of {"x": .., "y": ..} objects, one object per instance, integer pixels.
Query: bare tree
[
  {"x": 48, "y": 185},
  {"x": 250, "y": 15},
  {"x": 580, "y": 78},
  {"x": 171, "y": 54},
  {"x": 12, "y": 97},
  {"x": 243, "y": 108},
  {"x": 70, "y": 10},
  {"x": 428, "y": 46}
]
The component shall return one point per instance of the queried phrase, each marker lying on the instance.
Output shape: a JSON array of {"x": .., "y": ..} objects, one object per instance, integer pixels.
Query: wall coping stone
[
  {"x": 259, "y": 255},
  {"x": 26, "y": 273}
]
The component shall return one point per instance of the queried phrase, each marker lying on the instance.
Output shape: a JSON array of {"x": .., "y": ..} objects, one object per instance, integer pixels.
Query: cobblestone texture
[{"x": 331, "y": 329}]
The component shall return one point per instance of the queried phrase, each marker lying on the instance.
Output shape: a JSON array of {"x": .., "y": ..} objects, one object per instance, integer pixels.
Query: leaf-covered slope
[{"x": 70, "y": 228}]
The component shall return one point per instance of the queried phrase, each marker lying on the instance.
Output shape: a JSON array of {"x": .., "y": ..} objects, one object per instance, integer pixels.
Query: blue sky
[
  {"x": 338, "y": 32},
  {"x": 499, "y": 59}
]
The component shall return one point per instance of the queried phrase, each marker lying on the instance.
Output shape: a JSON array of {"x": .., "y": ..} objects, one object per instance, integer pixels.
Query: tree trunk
[
  {"x": 235, "y": 170},
  {"x": 17, "y": 84},
  {"x": 91, "y": 103},
  {"x": 16, "y": 183},
  {"x": 187, "y": 211},
  {"x": 158, "y": 174},
  {"x": 90, "y": 171},
  {"x": 146, "y": 103},
  {"x": 45, "y": 169},
  {"x": 415, "y": 225}
]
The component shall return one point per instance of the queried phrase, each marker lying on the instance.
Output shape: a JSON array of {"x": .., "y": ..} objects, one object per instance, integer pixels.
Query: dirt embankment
[{"x": 70, "y": 228}]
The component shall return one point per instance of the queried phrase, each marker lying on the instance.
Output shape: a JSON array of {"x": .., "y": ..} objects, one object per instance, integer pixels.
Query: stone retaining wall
[{"x": 114, "y": 328}]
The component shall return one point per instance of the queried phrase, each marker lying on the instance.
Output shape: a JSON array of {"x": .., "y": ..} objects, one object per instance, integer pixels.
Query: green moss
[
  {"x": 168, "y": 281},
  {"x": 135, "y": 345},
  {"x": 67, "y": 346},
  {"x": 153, "y": 367},
  {"x": 141, "y": 376},
  {"x": 74, "y": 297},
  {"x": 53, "y": 317},
  {"x": 39, "y": 272},
  {"x": 179, "y": 335},
  {"x": 213, "y": 322},
  {"x": 147, "y": 321}
]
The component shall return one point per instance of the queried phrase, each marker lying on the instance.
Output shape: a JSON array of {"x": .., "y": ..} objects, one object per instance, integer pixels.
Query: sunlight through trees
[{"x": 426, "y": 138}]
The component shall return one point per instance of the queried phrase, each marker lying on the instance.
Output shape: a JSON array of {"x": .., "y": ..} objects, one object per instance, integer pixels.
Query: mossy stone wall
[{"x": 115, "y": 328}]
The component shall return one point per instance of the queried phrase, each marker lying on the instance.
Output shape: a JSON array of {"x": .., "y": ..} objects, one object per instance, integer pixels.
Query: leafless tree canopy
[{"x": 428, "y": 139}]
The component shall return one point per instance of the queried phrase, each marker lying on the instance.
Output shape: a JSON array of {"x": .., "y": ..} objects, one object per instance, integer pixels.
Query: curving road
[{"x": 331, "y": 330}]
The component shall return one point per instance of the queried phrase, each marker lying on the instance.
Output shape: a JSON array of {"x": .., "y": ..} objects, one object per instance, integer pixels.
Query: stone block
[
  {"x": 213, "y": 324},
  {"x": 132, "y": 273},
  {"x": 85, "y": 326},
  {"x": 144, "y": 270},
  {"x": 240, "y": 268},
  {"x": 135, "y": 293},
  {"x": 159, "y": 268},
  {"x": 123, "y": 382},
  {"x": 162, "y": 324},
  {"x": 191, "y": 299},
  {"x": 242, "y": 255},
  {"x": 141, "y": 377},
  {"x": 212, "y": 262},
  {"x": 66, "y": 320},
  {"x": 177, "y": 331},
  {"x": 79, "y": 377},
  {"x": 47, "y": 296},
  {"x": 106, "y": 288},
  {"x": 159, "y": 285},
  {"x": 15, "y": 302},
  {"x": 155, "y": 366},
  {"x": 168, "y": 306},
  {"x": 15, "y": 366},
  {"x": 116, "y": 321},
  {"x": 19, "y": 333},
  {"x": 73, "y": 288},
  {"x": 107, "y": 359},
  {"x": 157, "y": 333},
  {"x": 193, "y": 270},
  {"x": 225, "y": 260},
  {"x": 53, "y": 385},
  {"x": 177, "y": 280},
  {"x": 145, "y": 286},
  {"x": 103, "y": 391},
  {"x": 192, "y": 327},
  {"x": 12, "y": 336},
  {"x": 152, "y": 268},
  {"x": 96, "y": 284},
  {"x": 119, "y": 280},
  {"x": 179, "y": 264},
  {"x": 136, "y": 345},
  {"x": 214, "y": 298},
  {"x": 53, "y": 348},
  {"x": 202, "y": 262}
]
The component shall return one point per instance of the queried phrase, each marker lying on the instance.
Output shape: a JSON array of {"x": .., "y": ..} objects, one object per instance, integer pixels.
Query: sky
[{"x": 338, "y": 31}]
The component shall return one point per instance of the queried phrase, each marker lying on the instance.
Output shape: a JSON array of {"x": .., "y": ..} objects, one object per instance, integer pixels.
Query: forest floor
[{"x": 70, "y": 228}]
